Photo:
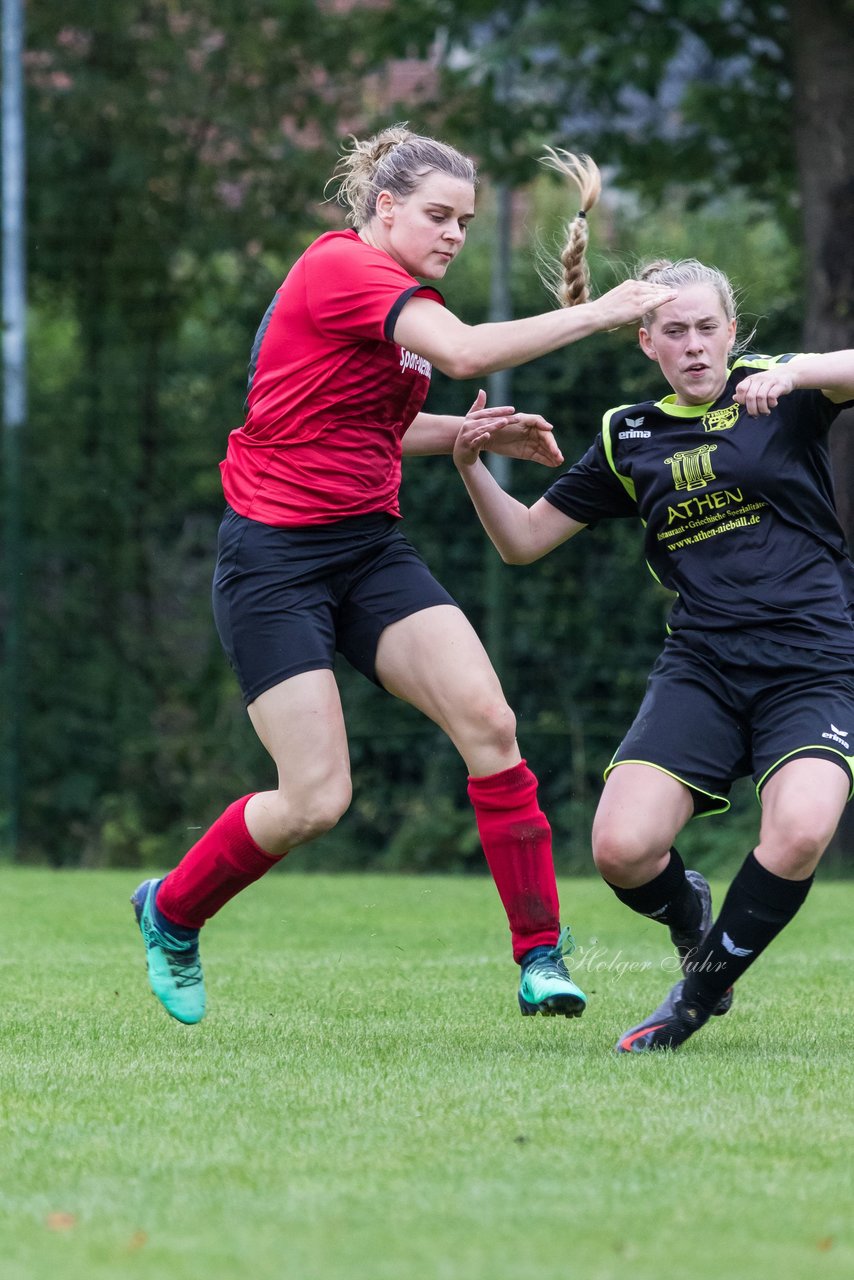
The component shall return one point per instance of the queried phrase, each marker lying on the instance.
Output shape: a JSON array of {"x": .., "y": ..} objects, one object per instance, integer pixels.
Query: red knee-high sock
[
  {"x": 517, "y": 842},
  {"x": 218, "y": 866}
]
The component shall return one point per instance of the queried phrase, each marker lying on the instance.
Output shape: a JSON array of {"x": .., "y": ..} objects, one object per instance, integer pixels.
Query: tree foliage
[
  {"x": 178, "y": 155},
  {"x": 174, "y": 159}
]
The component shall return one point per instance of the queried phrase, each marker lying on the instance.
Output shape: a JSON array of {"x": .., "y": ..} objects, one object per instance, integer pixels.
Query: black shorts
[
  {"x": 726, "y": 705},
  {"x": 285, "y": 599}
]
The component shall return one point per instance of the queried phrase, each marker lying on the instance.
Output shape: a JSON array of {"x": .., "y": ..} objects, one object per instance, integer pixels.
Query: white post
[{"x": 14, "y": 399}]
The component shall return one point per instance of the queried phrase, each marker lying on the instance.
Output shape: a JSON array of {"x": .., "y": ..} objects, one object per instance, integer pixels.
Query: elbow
[
  {"x": 461, "y": 367},
  {"x": 516, "y": 555},
  {"x": 464, "y": 362}
]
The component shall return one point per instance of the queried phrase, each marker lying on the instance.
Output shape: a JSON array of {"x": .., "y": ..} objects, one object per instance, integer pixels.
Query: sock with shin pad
[
  {"x": 669, "y": 898},
  {"x": 757, "y": 907},
  {"x": 517, "y": 843},
  {"x": 225, "y": 860}
]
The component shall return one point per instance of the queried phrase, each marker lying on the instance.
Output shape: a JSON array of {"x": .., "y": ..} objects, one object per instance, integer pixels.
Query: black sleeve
[
  {"x": 590, "y": 491},
  {"x": 807, "y": 407}
]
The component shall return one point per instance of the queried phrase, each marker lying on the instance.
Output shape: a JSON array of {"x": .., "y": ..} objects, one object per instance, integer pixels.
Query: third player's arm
[{"x": 831, "y": 372}]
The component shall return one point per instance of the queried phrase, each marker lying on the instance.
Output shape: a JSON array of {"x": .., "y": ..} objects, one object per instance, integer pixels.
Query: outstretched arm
[
  {"x": 831, "y": 373},
  {"x": 469, "y": 351},
  {"x": 521, "y": 534}
]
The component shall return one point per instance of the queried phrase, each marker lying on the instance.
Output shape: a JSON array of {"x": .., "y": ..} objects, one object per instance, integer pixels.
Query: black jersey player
[{"x": 730, "y": 475}]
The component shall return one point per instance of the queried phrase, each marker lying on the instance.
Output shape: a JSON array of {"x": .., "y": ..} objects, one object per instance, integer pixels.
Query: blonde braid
[{"x": 572, "y": 285}]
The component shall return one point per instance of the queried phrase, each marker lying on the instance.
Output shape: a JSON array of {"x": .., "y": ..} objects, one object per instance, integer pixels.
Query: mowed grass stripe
[{"x": 365, "y": 1102}]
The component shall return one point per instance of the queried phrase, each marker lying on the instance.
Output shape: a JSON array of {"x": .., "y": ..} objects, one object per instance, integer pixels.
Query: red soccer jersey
[{"x": 330, "y": 393}]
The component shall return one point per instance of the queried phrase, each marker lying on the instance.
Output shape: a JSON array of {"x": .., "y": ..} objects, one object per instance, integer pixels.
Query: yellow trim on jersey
[
  {"x": 628, "y": 485},
  {"x": 763, "y": 362},
  {"x": 723, "y": 803},
  {"x": 848, "y": 765},
  {"x": 667, "y": 405}
]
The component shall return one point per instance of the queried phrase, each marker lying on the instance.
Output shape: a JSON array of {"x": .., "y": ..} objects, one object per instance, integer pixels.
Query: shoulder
[
  {"x": 746, "y": 365},
  {"x": 346, "y": 251},
  {"x": 341, "y": 260},
  {"x": 628, "y": 413},
  {"x": 626, "y": 422},
  {"x": 345, "y": 245},
  {"x": 806, "y": 409},
  {"x": 753, "y": 363}
]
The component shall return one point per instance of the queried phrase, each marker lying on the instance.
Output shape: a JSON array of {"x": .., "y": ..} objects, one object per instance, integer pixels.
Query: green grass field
[{"x": 364, "y": 1102}]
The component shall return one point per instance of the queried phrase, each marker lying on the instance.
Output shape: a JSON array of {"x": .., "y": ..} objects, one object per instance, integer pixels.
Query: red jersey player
[{"x": 312, "y": 559}]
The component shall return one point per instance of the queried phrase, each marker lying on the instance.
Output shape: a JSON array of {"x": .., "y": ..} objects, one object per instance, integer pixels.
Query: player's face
[
  {"x": 691, "y": 339},
  {"x": 425, "y": 232}
]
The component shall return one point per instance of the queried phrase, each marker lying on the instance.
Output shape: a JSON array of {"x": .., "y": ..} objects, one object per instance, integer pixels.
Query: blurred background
[{"x": 176, "y": 153}]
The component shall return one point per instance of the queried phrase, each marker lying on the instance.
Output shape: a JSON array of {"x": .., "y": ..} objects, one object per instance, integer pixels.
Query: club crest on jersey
[
  {"x": 692, "y": 468},
  {"x": 721, "y": 419}
]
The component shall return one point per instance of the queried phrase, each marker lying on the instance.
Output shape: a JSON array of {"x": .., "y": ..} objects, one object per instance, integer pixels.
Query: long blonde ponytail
[{"x": 571, "y": 284}]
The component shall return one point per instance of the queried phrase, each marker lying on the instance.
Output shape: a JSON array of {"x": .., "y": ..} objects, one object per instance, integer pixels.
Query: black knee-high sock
[
  {"x": 757, "y": 907},
  {"x": 669, "y": 898}
]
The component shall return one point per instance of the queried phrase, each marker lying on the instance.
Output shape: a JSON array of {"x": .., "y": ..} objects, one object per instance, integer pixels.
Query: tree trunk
[{"x": 823, "y": 56}]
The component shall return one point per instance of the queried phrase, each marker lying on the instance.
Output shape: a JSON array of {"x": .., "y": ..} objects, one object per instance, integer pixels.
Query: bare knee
[
  {"x": 323, "y": 811},
  {"x": 294, "y": 816},
  {"x": 490, "y": 724},
  {"x": 625, "y": 856},
  {"x": 500, "y": 721},
  {"x": 793, "y": 849},
  {"x": 801, "y": 807}
]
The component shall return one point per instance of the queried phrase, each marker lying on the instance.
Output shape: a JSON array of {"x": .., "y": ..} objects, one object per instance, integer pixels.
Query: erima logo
[
  {"x": 634, "y": 433},
  {"x": 653, "y": 915},
  {"x": 838, "y": 735},
  {"x": 733, "y": 949}
]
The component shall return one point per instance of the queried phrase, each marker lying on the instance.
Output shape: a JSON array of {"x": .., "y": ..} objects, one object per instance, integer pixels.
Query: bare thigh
[
  {"x": 435, "y": 661},
  {"x": 301, "y": 724},
  {"x": 801, "y": 807},
  {"x": 640, "y": 813}
]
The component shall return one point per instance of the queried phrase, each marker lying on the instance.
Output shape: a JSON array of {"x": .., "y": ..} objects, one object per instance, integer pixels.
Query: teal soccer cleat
[
  {"x": 174, "y": 967},
  {"x": 546, "y": 986}
]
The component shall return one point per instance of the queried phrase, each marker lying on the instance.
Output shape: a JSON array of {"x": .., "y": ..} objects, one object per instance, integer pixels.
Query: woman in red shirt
[{"x": 312, "y": 559}]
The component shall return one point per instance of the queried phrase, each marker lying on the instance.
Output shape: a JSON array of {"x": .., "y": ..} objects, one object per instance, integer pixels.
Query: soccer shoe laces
[
  {"x": 565, "y": 944},
  {"x": 551, "y": 961},
  {"x": 185, "y": 969},
  {"x": 181, "y": 957}
]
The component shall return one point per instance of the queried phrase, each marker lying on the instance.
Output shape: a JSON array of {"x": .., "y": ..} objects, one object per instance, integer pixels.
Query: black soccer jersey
[{"x": 738, "y": 512}]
